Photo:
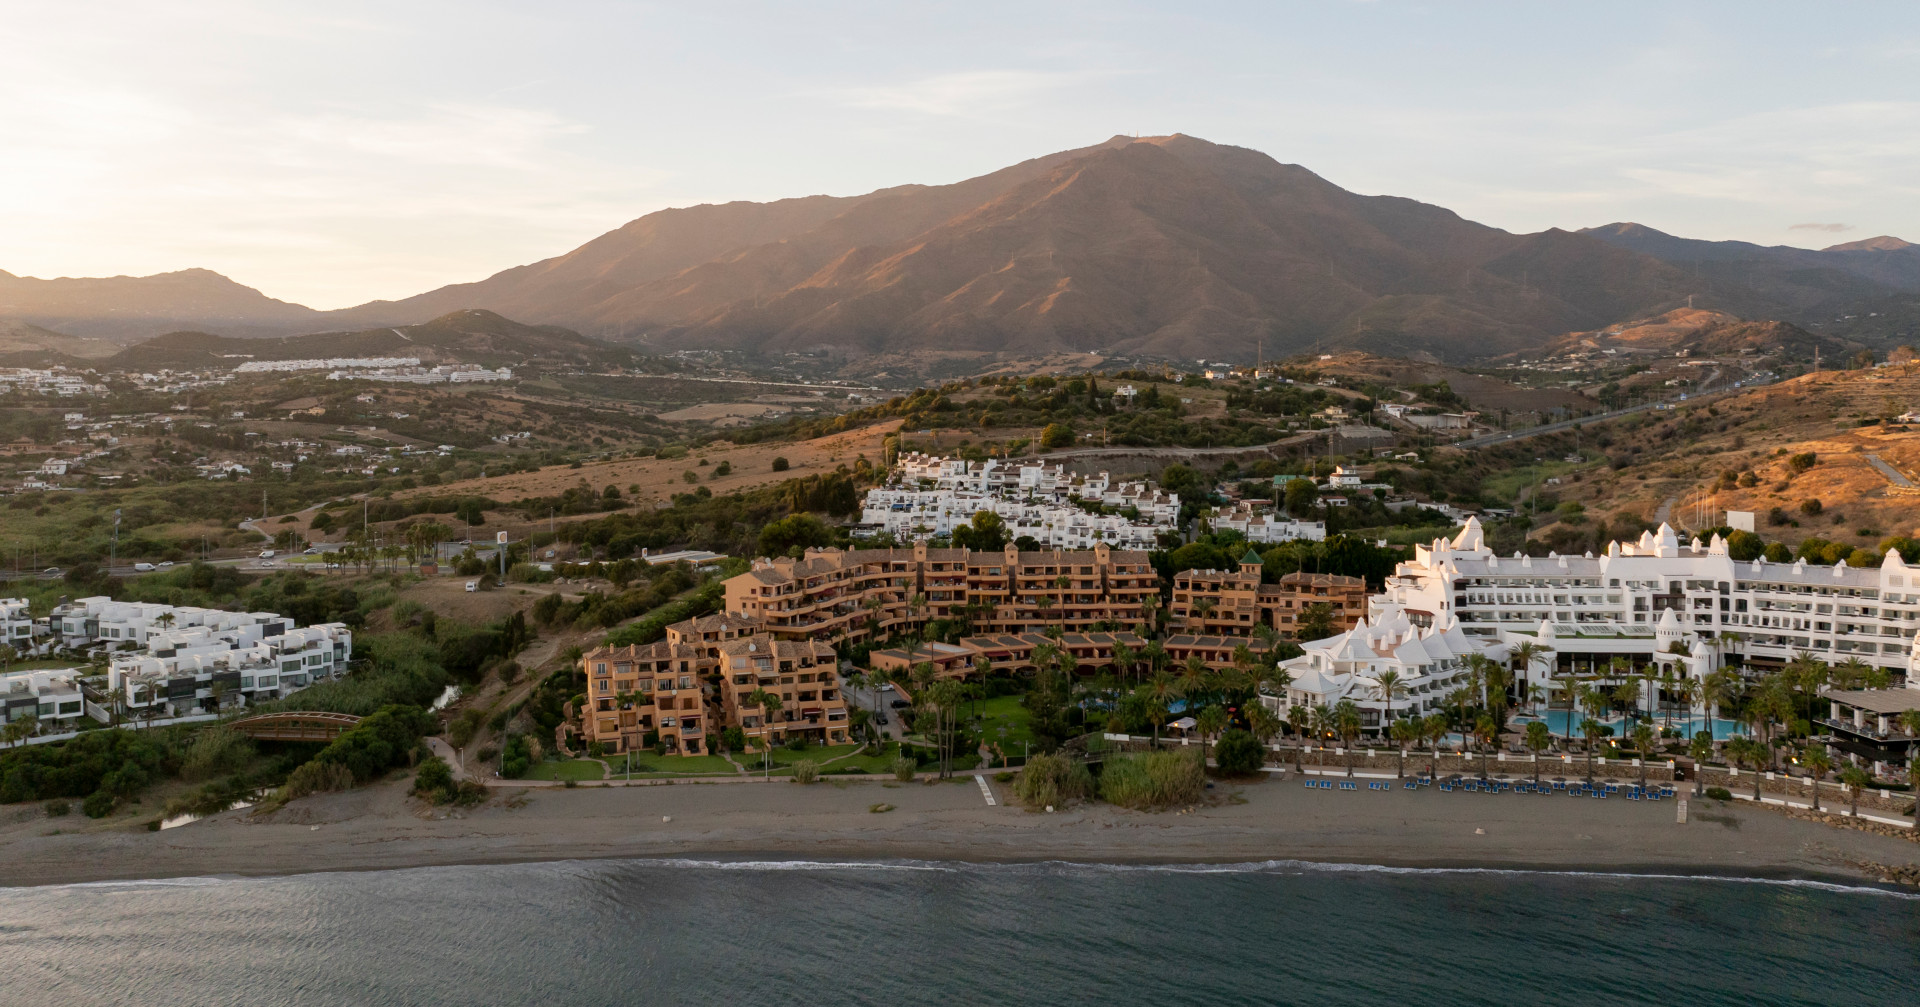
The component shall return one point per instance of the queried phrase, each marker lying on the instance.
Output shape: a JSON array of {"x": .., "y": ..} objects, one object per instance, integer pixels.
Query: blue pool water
[{"x": 1557, "y": 722}]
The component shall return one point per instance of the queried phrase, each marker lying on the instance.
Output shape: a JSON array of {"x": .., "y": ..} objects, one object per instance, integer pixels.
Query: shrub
[
  {"x": 434, "y": 781},
  {"x": 378, "y": 742},
  {"x": 215, "y": 751},
  {"x": 460, "y": 731},
  {"x": 516, "y": 757},
  {"x": 1811, "y": 507},
  {"x": 1153, "y": 780},
  {"x": 1720, "y": 793},
  {"x": 1801, "y": 462},
  {"x": 806, "y": 771},
  {"x": 98, "y": 804},
  {"x": 722, "y": 469},
  {"x": 779, "y": 464},
  {"x": 797, "y": 743},
  {"x": 57, "y": 808},
  {"x": 1238, "y": 753},
  {"x": 1052, "y": 779},
  {"x": 904, "y": 768},
  {"x": 316, "y": 777}
]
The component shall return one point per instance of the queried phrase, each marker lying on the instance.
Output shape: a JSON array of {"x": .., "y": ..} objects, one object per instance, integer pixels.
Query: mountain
[
  {"x": 469, "y": 336},
  {"x": 1872, "y": 279},
  {"x": 1166, "y": 246},
  {"x": 123, "y": 308},
  {"x": 1170, "y": 247}
]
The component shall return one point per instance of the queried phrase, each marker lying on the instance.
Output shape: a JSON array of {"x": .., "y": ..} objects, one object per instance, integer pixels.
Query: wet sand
[{"x": 379, "y": 827}]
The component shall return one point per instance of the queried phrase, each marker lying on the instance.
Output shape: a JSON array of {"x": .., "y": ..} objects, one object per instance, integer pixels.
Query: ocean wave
[{"x": 1280, "y": 867}]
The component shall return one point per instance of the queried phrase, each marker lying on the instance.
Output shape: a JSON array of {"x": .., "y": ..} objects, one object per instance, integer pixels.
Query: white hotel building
[{"x": 1643, "y": 601}]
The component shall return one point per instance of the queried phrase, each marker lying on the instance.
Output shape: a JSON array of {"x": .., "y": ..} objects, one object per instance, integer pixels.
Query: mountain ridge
[{"x": 1167, "y": 246}]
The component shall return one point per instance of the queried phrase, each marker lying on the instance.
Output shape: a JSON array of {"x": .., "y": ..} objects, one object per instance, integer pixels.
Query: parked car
[
  {"x": 880, "y": 718},
  {"x": 900, "y": 704},
  {"x": 472, "y": 586},
  {"x": 886, "y": 686}
]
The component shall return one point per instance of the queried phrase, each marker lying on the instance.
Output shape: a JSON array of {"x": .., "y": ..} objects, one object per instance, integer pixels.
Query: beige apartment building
[
  {"x": 803, "y": 673},
  {"x": 1234, "y": 602},
  {"x": 846, "y": 596},
  {"x": 662, "y": 687}
]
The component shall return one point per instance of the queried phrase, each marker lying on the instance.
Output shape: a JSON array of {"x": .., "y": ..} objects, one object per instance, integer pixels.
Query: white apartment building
[
  {"x": 16, "y": 624},
  {"x": 932, "y": 495},
  {"x": 51, "y": 695},
  {"x": 1649, "y": 600},
  {"x": 183, "y": 670},
  {"x": 168, "y": 658},
  {"x": 911, "y": 514},
  {"x": 1430, "y": 661},
  {"x": 1260, "y": 524}
]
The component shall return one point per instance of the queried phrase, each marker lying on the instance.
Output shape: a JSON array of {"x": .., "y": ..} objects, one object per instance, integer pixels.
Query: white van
[
  {"x": 472, "y": 586},
  {"x": 143, "y": 567},
  {"x": 266, "y": 554}
]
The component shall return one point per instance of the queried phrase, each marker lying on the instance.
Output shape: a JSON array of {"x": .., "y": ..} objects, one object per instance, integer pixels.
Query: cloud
[
  {"x": 971, "y": 92},
  {"x": 1835, "y": 228}
]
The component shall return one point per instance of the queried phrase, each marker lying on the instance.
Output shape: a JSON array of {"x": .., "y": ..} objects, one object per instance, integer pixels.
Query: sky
[{"x": 376, "y": 150}]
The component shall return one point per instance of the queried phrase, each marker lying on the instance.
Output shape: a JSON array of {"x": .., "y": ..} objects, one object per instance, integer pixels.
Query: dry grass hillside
[
  {"x": 1485, "y": 393},
  {"x": 1739, "y": 454}
]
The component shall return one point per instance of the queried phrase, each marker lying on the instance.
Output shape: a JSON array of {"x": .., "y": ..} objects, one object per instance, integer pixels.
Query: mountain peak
[{"x": 1883, "y": 243}]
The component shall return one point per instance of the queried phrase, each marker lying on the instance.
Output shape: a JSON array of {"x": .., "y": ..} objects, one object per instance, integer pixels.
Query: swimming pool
[{"x": 1557, "y": 722}]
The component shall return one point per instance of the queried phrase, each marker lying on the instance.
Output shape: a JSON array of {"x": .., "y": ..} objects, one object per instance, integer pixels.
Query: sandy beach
[{"x": 379, "y": 827}]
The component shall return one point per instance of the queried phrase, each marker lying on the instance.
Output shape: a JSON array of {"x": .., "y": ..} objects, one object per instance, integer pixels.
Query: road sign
[{"x": 501, "y": 538}]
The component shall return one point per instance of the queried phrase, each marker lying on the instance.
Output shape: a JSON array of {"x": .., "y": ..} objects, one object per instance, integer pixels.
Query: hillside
[
  {"x": 25, "y": 341},
  {"x": 1482, "y": 392},
  {"x": 126, "y": 308},
  {"x": 1703, "y": 331},
  {"x": 473, "y": 337}
]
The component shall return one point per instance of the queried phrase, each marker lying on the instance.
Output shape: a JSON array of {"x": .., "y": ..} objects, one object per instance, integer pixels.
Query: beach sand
[{"x": 379, "y": 827}]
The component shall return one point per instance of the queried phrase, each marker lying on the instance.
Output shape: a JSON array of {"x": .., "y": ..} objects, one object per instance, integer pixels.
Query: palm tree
[
  {"x": 1701, "y": 748},
  {"x": 769, "y": 704},
  {"x": 1538, "y": 739},
  {"x": 1404, "y": 732},
  {"x": 1460, "y": 697},
  {"x": 1210, "y": 723},
  {"x": 1346, "y": 723},
  {"x": 1124, "y": 658},
  {"x": 1262, "y": 723},
  {"x": 1715, "y": 689},
  {"x": 1486, "y": 730},
  {"x": 1162, "y": 689},
  {"x": 1388, "y": 687},
  {"x": 1595, "y": 701},
  {"x": 1434, "y": 728},
  {"x": 1856, "y": 779},
  {"x": 1643, "y": 742},
  {"x": 1193, "y": 677},
  {"x": 1627, "y": 694},
  {"x": 1817, "y": 761},
  {"x": 1201, "y": 610}
]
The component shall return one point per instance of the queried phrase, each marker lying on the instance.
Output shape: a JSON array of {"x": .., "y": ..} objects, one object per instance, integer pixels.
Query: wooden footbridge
[{"x": 295, "y": 726}]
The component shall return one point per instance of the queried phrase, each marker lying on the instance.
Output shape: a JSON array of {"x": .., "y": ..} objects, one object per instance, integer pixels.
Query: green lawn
[
  {"x": 650, "y": 766},
  {"x": 1003, "y": 722},
  {"x": 783, "y": 760},
  {"x": 571, "y": 769}
]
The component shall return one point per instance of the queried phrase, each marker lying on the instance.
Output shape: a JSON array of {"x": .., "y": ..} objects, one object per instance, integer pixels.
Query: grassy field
[
  {"x": 651, "y": 767},
  {"x": 570, "y": 769},
  {"x": 1003, "y": 722}
]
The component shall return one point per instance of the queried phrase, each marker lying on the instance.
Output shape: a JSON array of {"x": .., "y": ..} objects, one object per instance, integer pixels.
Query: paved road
[{"x": 1893, "y": 475}]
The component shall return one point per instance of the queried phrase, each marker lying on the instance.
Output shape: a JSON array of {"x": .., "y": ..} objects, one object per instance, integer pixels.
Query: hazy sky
[{"x": 381, "y": 149}]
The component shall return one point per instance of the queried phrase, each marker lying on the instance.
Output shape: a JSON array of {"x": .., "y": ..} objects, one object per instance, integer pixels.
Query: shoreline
[{"x": 379, "y": 828}]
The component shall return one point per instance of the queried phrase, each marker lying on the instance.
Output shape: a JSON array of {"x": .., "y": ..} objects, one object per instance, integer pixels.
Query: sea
[{"x": 910, "y": 932}]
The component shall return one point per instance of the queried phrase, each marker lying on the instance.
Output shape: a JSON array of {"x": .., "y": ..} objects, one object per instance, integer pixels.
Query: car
[
  {"x": 880, "y": 718},
  {"x": 899, "y": 704},
  {"x": 163, "y": 564},
  {"x": 266, "y": 554},
  {"x": 473, "y": 586},
  {"x": 886, "y": 686},
  {"x": 52, "y": 571}
]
